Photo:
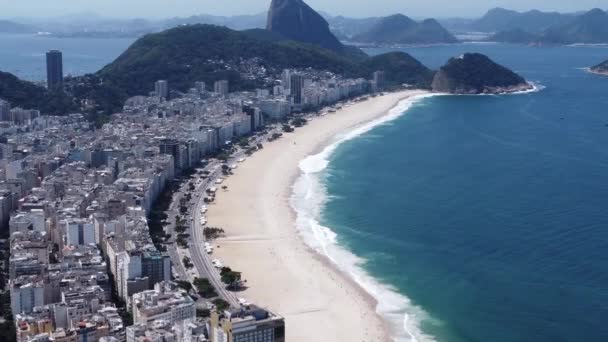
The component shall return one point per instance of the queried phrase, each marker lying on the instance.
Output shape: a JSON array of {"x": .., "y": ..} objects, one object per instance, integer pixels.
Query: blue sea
[
  {"x": 476, "y": 218},
  {"x": 24, "y": 54}
]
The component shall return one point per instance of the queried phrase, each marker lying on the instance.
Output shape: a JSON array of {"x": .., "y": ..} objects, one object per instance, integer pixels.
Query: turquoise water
[
  {"x": 24, "y": 54},
  {"x": 487, "y": 212}
]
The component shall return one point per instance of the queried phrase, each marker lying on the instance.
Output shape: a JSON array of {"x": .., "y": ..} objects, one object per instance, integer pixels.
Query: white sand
[{"x": 319, "y": 302}]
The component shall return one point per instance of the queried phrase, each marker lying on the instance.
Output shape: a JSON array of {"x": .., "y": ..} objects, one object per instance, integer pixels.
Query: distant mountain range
[
  {"x": 400, "y": 29},
  {"x": 501, "y": 25},
  {"x": 7, "y": 26},
  {"x": 500, "y": 19},
  {"x": 586, "y": 28},
  {"x": 345, "y": 28}
]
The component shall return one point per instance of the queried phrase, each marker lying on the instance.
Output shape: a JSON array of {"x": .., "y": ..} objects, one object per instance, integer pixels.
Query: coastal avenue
[{"x": 200, "y": 258}]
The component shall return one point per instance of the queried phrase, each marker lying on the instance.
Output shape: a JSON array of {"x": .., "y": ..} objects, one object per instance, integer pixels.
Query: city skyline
[{"x": 359, "y": 8}]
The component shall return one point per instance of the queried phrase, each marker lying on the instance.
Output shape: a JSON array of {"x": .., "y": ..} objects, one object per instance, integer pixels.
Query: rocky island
[
  {"x": 600, "y": 69},
  {"x": 473, "y": 73}
]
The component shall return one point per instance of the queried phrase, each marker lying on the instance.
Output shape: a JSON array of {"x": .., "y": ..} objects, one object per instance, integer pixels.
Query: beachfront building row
[{"x": 76, "y": 199}]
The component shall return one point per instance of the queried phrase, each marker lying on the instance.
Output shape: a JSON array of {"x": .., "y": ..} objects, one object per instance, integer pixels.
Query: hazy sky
[{"x": 358, "y": 8}]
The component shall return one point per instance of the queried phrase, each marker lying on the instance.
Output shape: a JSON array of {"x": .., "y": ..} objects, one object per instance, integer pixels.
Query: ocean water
[
  {"x": 476, "y": 218},
  {"x": 24, "y": 54}
]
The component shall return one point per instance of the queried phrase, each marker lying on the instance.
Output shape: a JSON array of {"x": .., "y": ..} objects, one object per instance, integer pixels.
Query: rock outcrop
[
  {"x": 295, "y": 20},
  {"x": 601, "y": 68},
  {"x": 474, "y": 73}
]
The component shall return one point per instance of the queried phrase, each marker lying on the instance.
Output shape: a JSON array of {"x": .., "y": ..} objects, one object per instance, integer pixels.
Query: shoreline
[
  {"x": 283, "y": 271},
  {"x": 596, "y": 72}
]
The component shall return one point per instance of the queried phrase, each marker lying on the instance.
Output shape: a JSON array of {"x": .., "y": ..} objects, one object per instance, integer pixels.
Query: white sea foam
[
  {"x": 536, "y": 87},
  {"x": 308, "y": 198}
]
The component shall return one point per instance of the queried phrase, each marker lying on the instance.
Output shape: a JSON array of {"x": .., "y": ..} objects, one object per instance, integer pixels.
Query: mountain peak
[
  {"x": 596, "y": 12},
  {"x": 400, "y": 29},
  {"x": 295, "y": 20}
]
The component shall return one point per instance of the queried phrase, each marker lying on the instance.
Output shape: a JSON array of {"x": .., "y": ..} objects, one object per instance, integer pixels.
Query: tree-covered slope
[
  {"x": 500, "y": 19},
  {"x": 30, "y": 96},
  {"x": 399, "y": 68},
  {"x": 589, "y": 28},
  {"x": 474, "y": 73},
  {"x": 206, "y": 53},
  {"x": 187, "y": 54}
]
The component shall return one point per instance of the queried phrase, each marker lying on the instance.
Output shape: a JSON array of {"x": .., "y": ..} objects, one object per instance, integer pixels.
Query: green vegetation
[
  {"x": 187, "y": 262},
  {"x": 184, "y": 285},
  {"x": 212, "y": 233},
  {"x": 203, "y": 313},
  {"x": 588, "y": 28},
  {"x": 30, "y": 96},
  {"x": 546, "y": 27},
  {"x": 204, "y": 288},
  {"x": 220, "y": 304},
  {"x": 158, "y": 216},
  {"x": 192, "y": 53},
  {"x": 230, "y": 277},
  {"x": 500, "y": 19},
  {"x": 275, "y": 136},
  {"x": 182, "y": 242},
  {"x": 7, "y": 327},
  {"x": 181, "y": 55},
  {"x": 226, "y": 171},
  {"x": 299, "y": 122},
  {"x": 474, "y": 73},
  {"x": 399, "y": 68},
  {"x": 243, "y": 142}
]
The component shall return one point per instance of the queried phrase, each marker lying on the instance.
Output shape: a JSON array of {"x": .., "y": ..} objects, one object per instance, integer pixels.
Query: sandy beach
[{"x": 318, "y": 301}]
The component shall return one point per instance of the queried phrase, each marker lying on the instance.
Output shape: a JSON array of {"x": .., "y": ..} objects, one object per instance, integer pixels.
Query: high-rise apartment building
[
  {"x": 221, "y": 87},
  {"x": 296, "y": 85},
  {"x": 379, "y": 80},
  {"x": 5, "y": 110},
  {"x": 161, "y": 88},
  {"x": 54, "y": 70}
]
